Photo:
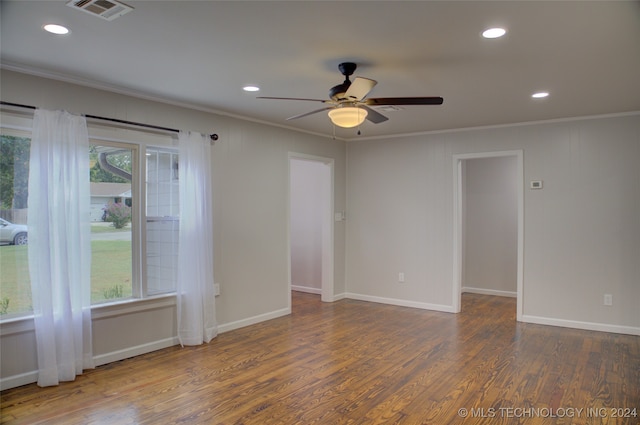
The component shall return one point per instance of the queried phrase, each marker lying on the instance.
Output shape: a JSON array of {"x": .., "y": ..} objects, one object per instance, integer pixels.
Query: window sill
[
  {"x": 132, "y": 305},
  {"x": 16, "y": 325}
]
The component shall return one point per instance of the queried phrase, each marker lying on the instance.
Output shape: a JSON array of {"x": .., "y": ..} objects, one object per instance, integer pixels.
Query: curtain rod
[{"x": 213, "y": 137}]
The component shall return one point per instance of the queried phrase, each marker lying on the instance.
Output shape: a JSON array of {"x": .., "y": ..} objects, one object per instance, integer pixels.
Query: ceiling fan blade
[
  {"x": 309, "y": 113},
  {"x": 294, "y": 98},
  {"x": 359, "y": 88},
  {"x": 404, "y": 101},
  {"x": 373, "y": 115}
]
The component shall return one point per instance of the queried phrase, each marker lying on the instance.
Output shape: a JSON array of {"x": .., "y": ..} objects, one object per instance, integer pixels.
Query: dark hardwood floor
[{"x": 353, "y": 362}]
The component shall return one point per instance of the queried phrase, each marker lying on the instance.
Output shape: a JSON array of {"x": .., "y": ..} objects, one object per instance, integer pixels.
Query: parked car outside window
[{"x": 14, "y": 234}]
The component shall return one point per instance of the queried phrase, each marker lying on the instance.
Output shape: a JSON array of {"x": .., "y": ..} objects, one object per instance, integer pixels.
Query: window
[
  {"x": 15, "y": 287},
  {"x": 134, "y": 212},
  {"x": 116, "y": 272},
  {"x": 111, "y": 173}
]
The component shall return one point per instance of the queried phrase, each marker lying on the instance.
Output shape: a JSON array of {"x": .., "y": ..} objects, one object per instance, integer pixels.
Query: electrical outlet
[
  {"x": 216, "y": 289},
  {"x": 608, "y": 299},
  {"x": 401, "y": 277}
]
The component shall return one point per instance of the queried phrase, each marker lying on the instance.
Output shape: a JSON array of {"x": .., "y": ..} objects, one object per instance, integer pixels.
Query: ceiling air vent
[{"x": 105, "y": 9}]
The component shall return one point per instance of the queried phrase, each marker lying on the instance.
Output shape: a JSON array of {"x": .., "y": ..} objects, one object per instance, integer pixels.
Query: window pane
[
  {"x": 162, "y": 259},
  {"x": 162, "y": 183},
  {"x": 162, "y": 210},
  {"x": 15, "y": 286},
  {"x": 111, "y": 169}
]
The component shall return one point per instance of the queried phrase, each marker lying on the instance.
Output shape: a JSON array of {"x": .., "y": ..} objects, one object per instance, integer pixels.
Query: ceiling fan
[{"x": 348, "y": 102}]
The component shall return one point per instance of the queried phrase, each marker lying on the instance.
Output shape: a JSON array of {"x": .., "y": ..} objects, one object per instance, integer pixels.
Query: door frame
[
  {"x": 327, "y": 292},
  {"x": 458, "y": 185}
]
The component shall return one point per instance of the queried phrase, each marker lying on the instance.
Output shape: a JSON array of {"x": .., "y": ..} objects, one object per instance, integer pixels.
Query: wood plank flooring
[{"x": 353, "y": 362}]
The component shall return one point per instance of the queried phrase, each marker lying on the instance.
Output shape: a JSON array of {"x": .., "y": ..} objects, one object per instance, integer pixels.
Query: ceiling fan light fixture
[{"x": 347, "y": 116}]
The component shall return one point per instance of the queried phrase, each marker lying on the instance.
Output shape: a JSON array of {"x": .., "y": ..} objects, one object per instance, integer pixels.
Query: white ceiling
[{"x": 201, "y": 53}]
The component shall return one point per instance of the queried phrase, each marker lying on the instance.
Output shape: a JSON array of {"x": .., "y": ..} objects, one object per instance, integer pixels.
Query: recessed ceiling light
[
  {"x": 56, "y": 29},
  {"x": 540, "y": 95},
  {"x": 251, "y": 88},
  {"x": 494, "y": 33}
]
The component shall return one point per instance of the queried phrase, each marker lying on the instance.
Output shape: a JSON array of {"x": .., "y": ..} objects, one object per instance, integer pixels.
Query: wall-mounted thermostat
[{"x": 536, "y": 184}]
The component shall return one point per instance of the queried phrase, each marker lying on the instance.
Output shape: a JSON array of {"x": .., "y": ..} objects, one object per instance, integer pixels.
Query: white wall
[
  {"x": 581, "y": 232},
  {"x": 250, "y": 199},
  {"x": 490, "y": 225},
  {"x": 306, "y": 224}
]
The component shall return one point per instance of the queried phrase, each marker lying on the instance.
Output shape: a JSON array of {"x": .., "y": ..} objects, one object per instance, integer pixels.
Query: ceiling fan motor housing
[{"x": 337, "y": 92}]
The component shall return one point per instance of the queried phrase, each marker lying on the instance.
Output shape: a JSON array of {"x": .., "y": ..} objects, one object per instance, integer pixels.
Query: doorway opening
[
  {"x": 311, "y": 266},
  {"x": 488, "y": 225}
]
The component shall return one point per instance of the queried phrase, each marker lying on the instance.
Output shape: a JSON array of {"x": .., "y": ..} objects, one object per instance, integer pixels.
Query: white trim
[
  {"x": 130, "y": 306},
  {"x": 306, "y": 289},
  {"x": 99, "y": 360},
  {"x": 457, "y": 224},
  {"x": 338, "y": 297},
  {"x": 18, "y": 380},
  {"x": 140, "y": 95},
  {"x": 31, "y": 377},
  {"x": 114, "y": 356},
  {"x": 495, "y": 292},
  {"x": 496, "y": 126},
  {"x": 17, "y": 127},
  {"x": 18, "y": 325},
  {"x": 575, "y": 324},
  {"x": 328, "y": 227},
  {"x": 401, "y": 303},
  {"x": 129, "y": 352},
  {"x": 98, "y": 312},
  {"x": 253, "y": 320},
  {"x": 128, "y": 92},
  {"x": 129, "y": 141}
]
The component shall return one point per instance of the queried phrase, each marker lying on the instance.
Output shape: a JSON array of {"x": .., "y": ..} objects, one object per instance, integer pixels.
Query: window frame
[
  {"x": 137, "y": 261},
  {"x": 21, "y": 131},
  {"x": 139, "y": 290}
]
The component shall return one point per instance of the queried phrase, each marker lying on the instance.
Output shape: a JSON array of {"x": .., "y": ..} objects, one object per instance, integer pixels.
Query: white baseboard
[
  {"x": 253, "y": 320},
  {"x": 129, "y": 352},
  {"x": 18, "y": 380},
  {"x": 114, "y": 356},
  {"x": 170, "y": 342},
  {"x": 398, "y": 302},
  {"x": 496, "y": 292},
  {"x": 317, "y": 291},
  {"x": 31, "y": 377},
  {"x": 338, "y": 297},
  {"x": 589, "y": 326},
  {"x": 99, "y": 360},
  {"x": 306, "y": 289}
]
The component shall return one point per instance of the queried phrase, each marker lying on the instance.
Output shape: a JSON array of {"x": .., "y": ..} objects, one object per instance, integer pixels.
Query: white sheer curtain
[
  {"x": 60, "y": 245},
  {"x": 195, "y": 287}
]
